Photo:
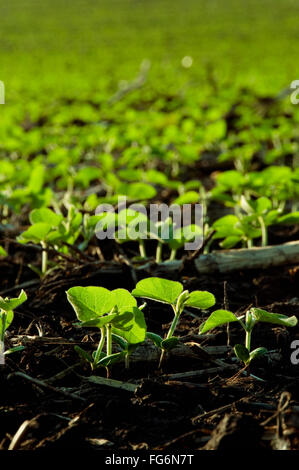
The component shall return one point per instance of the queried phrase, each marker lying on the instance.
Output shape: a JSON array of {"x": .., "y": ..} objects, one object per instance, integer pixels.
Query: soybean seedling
[
  {"x": 51, "y": 229},
  {"x": 171, "y": 293},
  {"x": 7, "y": 306},
  {"x": 113, "y": 312},
  {"x": 132, "y": 226},
  {"x": 252, "y": 317},
  {"x": 166, "y": 233}
]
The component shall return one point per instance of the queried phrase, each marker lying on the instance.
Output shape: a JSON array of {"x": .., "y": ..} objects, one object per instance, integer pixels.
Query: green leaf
[
  {"x": 138, "y": 191},
  {"x": 161, "y": 290},
  {"x": 215, "y": 131},
  {"x": 83, "y": 354},
  {"x": 289, "y": 219},
  {"x": 256, "y": 353},
  {"x": 155, "y": 177},
  {"x": 123, "y": 321},
  {"x": 242, "y": 353},
  {"x": 230, "y": 242},
  {"x": 36, "y": 179},
  {"x": 94, "y": 354},
  {"x": 99, "y": 322},
  {"x": 10, "y": 304},
  {"x": 185, "y": 234},
  {"x": 157, "y": 340},
  {"x": 217, "y": 318},
  {"x": 13, "y": 350},
  {"x": 124, "y": 300},
  {"x": 120, "y": 341},
  {"x": 275, "y": 318},
  {"x": 36, "y": 233},
  {"x": 170, "y": 343},
  {"x": 188, "y": 197},
  {"x": 8, "y": 320},
  {"x": 226, "y": 227},
  {"x": 200, "y": 299},
  {"x": 111, "y": 359},
  {"x": 231, "y": 179},
  {"x": 262, "y": 205},
  {"x": 133, "y": 330},
  {"x": 90, "y": 302},
  {"x": 46, "y": 216},
  {"x": 132, "y": 225},
  {"x": 271, "y": 217}
]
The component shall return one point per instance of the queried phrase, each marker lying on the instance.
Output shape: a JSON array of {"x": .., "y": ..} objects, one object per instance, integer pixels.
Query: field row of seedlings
[{"x": 134, "y": 343}]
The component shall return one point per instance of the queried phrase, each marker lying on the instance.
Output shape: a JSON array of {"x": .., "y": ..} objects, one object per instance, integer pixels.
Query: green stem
[
  {"x": 109, "y": 339},
  {"x": 100, "y": 347},
  {"x": 170, "y": 332},
  {"x": 3, "y": 321},
  {"x": 248, "y": 340},
  {"x": 264, "y": 231},
  {"x": 172, "y": 255},
  {"x": 173, "y": 326},
  {"x": 142, "y": 249},
  {"x": 44, "y": 258},
  {"x": 127, "y": 361},
  {"x": 159, "y": 253}
]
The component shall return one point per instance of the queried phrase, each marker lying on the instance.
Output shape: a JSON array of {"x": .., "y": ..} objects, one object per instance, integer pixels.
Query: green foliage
[
  {"x": 161, "y": 290},
  {"x": 171, "y": 292},
  {"x": 114, "y": 313},
  {"x": 253, "y": 316},
  {"x": 7, "y": 306}
]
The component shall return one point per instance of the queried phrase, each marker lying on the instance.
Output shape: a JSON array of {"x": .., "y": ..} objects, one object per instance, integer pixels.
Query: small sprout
[
  {"x": 172, "y": 293},
  {"x": 253, "y": 316},
  {"x": 133, "y": 226},
  {"x": 116, "y": 315},
  {"x": 51, "y": 229},
  {"x": 7, "y": 306}
]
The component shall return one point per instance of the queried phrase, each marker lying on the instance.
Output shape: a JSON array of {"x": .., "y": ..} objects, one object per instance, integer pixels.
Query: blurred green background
[{"x": 76, "y": 46}]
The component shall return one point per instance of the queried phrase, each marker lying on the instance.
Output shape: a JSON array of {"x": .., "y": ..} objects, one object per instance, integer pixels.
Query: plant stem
[
  {"x": 171, "y": 331},
  {"x": 100, "y": 346},
  {"x": 172, "y": 255},
  {"x": 109, "y": 339},
  {"x": 44, "y": 258},
  {"x": 173, "y": 326},
  {"x": 248, "y": 340},
  {"x": 161, "y": 358},
  {"x": 3, "y": 321},
  {"x": 249, "y": 243},
  {"x": 3, "y": 316},
  {"x": 264, "y": 231},
  {"x": 127, "y": 361},
  {"x": 159, "y": 253},
  {"x": 142, "y": 249}
]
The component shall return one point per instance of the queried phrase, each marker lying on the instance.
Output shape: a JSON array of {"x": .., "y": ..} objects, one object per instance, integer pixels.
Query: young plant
[
  {"x": 132, "y": 226},
  {"x": 113, "y": 312},
  {"x": 253, "y": 316},
  {"x": 7, "y": 306},
  {"x": 252, "y": 219},
  {"x": 166, "y": 233},
  {"x": 51, "y": 229},
  {"x": 171, "y": 293}
]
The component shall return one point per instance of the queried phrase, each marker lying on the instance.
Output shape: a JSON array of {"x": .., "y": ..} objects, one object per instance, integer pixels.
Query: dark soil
[{"x": 220, "y": 409}]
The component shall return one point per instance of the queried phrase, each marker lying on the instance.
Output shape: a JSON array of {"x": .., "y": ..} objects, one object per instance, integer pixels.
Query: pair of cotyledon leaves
[
  {"x": 7, "y": 306},
  {"x": 167, "y": 291},
  {"x": 97, "y": 306}
]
